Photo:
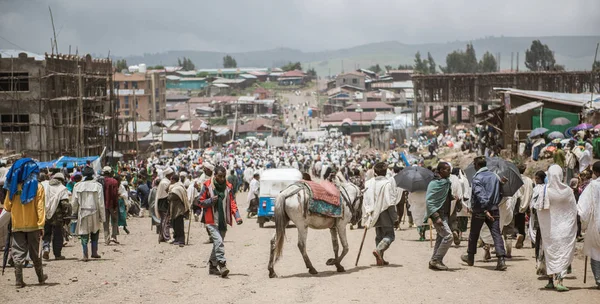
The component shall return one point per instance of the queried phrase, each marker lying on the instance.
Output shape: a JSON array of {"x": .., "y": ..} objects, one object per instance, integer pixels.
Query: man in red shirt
[
  {"x": 219, "y": 204},
  {"x": 111, "y": 202}
]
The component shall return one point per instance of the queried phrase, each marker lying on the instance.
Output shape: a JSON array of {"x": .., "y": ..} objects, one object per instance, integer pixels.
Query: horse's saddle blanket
[
  {"x": 324, "y": 208},
  {"x": 324, "y": 191}
]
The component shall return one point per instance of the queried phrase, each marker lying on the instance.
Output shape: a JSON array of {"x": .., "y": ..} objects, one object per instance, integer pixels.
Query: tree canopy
[
  {"x": 465, "y": 61},
  {"x": 488, "y": 63},
  {"x": 424, "y": 66},
  {"x": 539, "y": 57},
  {"x": 291, "y": 66},
  {"x": 375, "y": 68},
  {"x": 186, "y": 64},
  {"x": 229, "y": 62},
  {"x": 121, "y": 64}
]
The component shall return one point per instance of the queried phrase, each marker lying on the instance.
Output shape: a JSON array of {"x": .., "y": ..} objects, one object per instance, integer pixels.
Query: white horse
[{"x": 292, "y": 204}]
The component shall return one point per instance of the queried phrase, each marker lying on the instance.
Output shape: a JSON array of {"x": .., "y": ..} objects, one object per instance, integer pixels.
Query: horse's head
[{"x": 353, "y": 198}]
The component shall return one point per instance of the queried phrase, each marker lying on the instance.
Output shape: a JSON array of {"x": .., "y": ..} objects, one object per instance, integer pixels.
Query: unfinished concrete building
[{"x": 55, "y": 105}]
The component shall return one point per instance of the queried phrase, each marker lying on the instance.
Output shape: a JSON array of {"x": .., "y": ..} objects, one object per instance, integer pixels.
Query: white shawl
[
  {"x": 525, "y": 193},
  {"x": 379, "y": 195},
  {"x": 588, "y": 208},
  {"x": 558, "y": 224},
  {"x": 55, "y": 192}
]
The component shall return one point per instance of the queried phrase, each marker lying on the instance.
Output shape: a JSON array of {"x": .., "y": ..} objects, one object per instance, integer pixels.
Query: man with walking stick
[
  {"x": 379, "y": 209},
  {"x": 588, "y": 208}
]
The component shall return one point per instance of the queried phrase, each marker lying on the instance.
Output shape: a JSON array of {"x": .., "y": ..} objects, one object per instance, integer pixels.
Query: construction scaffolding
[
  {"x": 61, "y": 105},
  {"x": 476, "y": 90}
]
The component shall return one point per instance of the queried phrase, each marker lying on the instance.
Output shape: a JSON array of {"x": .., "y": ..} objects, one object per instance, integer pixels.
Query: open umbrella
[
  {"x": 583, "y": 126},
  {"x": 414, "y": 178},
  {"x": 503, "y": 168},
  {"x": 537, "y": 132},
  {"x": 555, "y": 135},
  {"x": 597, "y": 127},
  {"x": 560, "y": 121}
]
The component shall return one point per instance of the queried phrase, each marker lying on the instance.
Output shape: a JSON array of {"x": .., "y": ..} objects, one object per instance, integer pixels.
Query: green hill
[{"x": 575, "y": 52}]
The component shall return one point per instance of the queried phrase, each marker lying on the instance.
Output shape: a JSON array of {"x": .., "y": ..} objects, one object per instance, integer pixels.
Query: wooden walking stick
[
  {"x": 430, "y": 234},
  {"x": 585, "y": 270},
  {"x": 361, "y": 245}
]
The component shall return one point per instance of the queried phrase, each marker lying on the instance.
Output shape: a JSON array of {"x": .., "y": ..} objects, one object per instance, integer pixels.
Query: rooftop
[
  {"x": 129, "y": 77},
  {"x": 228, "y": 81},
  {"x": 355, "y": 116},
  {"x": 578, "y": 100},
  {"x": 253, "y": 125},
  {"x": 7, "y": 53},
  {"x": 295, "y": 73},
  {"x": 370, "y": 105},
  {"x": 408, "y": 84}
]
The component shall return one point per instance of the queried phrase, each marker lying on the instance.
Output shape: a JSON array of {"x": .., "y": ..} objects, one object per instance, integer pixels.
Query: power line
[{"x": 22, "y": 48}]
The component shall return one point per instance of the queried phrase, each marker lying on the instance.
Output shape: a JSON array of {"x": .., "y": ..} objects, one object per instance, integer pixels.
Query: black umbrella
[
  {"x": 503, "y": 168},
  {"x": 6, "y": 248},
  {"x": 414, "y": 178}
]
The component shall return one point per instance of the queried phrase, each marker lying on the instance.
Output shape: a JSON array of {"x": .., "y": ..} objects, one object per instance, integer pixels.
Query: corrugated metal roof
[
  {"x": 172, "y": 77},
  {"x": 370, "y": 105},
  {"x": 186, "y": 73},
  {"x": 408, "y": 84},
  {"x": 228, "y": 81},
  {"x": 170, "y": 137},
  {"x": 248, "y": 76},
  {"x": 220, "y": 85},
  {"x": 526, "y": 107},
  {"x": 247, "y": 98},
  {"x": 6, "y": 53},
  {"x": 579, "y": 100}
]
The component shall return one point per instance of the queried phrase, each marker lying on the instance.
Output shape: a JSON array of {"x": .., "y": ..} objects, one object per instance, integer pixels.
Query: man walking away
[
  {"x": 111, "y": 204},
  {"x": 379, "y": 209},
  {"x": 178, "y": 207},
  {"x": 588, "y": 208},
  {"x": 25, "y": 200},
  {"x": 438, "y": 200},
  {"x": 88, "y": 203},
  {"x": 161, "y": 205},
  {"x": 57, "y": 208},
  {"x": 485, "y": 199}
]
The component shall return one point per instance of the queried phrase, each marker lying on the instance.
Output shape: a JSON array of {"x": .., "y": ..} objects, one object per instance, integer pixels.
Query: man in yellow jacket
[{"x": 25, "y": 201}]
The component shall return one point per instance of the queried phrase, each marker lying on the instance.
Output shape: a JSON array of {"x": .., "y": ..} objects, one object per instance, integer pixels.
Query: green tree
[
  {"x": 488, "y": 63},
  {"x": 229, "y": 62},
  {"x": 375, "y": 68},
  {"x": 312, "y": 73},
  {"x": 470, "y": 60},
  {"x": 539, "y": 57},
  {"x": 202, "y": 74},
  {"x": 388, "y": 67},
  {"x": 121, "y": 65},
  {"x": 431, "y": 64},
  {"x": 405, "y": 67},
  {"x": 156, "y": 67},
  {"x": 421, "y": 65},
  {"x": 186, "y": 64},
  {"x": 291, "y": 66}
]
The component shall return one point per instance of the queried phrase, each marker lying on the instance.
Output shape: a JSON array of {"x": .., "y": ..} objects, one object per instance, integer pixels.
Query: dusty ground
[{"x": 142, "y": 271}]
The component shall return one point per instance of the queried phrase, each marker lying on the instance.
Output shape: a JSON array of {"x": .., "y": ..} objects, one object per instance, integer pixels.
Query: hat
[
  {"x": 208, "y": 166},
  {"x": 168, "y": 171},
  {"x": 87, "y": 171},
  {"x": 59, "y": 176},
  {"x": 107, "y": 169}
]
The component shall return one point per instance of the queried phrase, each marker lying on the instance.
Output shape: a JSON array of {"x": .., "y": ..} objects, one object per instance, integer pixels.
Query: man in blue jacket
[{"x": 485, "y": 197}]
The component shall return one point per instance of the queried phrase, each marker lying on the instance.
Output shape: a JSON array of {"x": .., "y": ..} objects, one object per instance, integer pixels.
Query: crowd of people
[{"x": 201, "y": 185}]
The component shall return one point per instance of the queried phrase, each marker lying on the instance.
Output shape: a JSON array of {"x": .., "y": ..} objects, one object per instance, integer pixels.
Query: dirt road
[{"x": 140, "y": 270}]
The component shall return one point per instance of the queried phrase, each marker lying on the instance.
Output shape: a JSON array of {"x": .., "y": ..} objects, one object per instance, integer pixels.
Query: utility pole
[
  {"x": 190, "y": 121},
  {"x": 134, "y": 113},
  {"x": 237, "y": 106},
  {"x": 54, "y": 31},
  {"x": 80, "y": 106}
]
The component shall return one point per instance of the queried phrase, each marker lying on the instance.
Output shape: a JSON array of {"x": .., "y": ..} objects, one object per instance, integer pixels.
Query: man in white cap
[
  {"x": 57, "y": 208},
  {"x": 161, "y": 205}
]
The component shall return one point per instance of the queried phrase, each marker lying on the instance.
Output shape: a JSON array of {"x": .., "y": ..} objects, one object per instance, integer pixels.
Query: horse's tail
[{"x": 281, "y": 222}]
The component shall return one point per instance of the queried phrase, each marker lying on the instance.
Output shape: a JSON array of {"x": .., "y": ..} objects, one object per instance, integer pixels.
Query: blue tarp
[
  {"x": 48, "y": 164},
  {"x": 73, "y": 162}
]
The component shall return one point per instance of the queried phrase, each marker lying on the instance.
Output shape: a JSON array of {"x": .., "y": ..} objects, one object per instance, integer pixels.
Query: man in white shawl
[
  {"x": 558, "y": 226},
  {"x": 588, "y": 208},
  {"x": 57, "y": 208},
  {"x": 523, "y": 198},
  {"x": 379, "y": 211},
  {"x": 88, "y": 201}
]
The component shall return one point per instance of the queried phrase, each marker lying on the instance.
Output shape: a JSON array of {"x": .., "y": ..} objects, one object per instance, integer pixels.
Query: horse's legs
[
  {"x": 302, "y": 234},
  {"x": 341, "y": 229},
  {"x": 272, "y": 273},
  {"x": 336, "y": 247}
]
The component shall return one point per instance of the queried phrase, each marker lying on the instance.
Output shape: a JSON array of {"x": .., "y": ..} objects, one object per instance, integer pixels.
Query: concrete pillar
[
  {"x": 446, "y": 115},
  {"x": 430, "y": 112},
  {"x": 458, "y": 114}
]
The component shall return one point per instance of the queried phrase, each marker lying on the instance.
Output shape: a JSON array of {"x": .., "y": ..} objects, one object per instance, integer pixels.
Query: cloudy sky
[{"x": 128, "y": 27}]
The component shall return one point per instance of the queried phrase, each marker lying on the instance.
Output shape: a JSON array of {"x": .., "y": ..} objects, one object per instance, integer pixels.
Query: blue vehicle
[{"x": 272, "y": 182}]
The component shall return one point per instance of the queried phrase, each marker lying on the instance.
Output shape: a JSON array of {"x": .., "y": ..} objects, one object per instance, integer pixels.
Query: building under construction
[
  {"x": 55, "y": 105},
  {"x": 476, "y": 91}
]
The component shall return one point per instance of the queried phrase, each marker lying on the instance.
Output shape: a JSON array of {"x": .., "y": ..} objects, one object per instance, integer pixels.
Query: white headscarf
[{"x": 556, "y": 189}]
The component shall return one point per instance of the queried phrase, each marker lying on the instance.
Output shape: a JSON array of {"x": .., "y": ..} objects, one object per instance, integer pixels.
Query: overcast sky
[{"x": 128, "y": 27}]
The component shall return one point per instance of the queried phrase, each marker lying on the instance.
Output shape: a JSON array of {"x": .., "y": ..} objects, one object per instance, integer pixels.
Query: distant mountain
[{"x": 575, "y": 52}]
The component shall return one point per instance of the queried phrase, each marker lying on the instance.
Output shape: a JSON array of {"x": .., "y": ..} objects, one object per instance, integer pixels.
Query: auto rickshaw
[{"x": 272, "y": 182}]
